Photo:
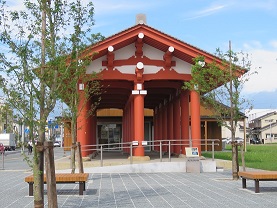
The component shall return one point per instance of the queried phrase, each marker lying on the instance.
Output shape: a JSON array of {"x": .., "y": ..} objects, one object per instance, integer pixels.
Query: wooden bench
[
  {"x": 257, "y": 176},
  {"x": 81, "y": 178}
]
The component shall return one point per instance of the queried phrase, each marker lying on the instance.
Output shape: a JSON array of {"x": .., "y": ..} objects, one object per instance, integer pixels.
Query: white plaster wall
[
  {"x": 96, "y": 65},
  {"x": 182, "y": 67},
  {"x": 125, "y": 52},
  {"x": 148, "y": 51},
  {"x": 152, "y": 52}
]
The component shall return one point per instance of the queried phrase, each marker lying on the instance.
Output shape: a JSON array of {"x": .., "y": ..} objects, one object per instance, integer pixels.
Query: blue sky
[{"x": 251, "y": 26}]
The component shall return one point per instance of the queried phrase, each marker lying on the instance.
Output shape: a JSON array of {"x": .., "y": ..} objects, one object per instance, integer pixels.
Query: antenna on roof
[{"x": 140, "y": 19}]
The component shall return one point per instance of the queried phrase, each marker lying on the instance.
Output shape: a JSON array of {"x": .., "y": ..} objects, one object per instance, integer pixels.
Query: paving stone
[{"x": 143, "y": 190}]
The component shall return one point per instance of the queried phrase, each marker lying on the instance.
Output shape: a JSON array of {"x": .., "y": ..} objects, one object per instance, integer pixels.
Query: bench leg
[
  {"x": 82, "y": 188},
  {"x": 31, "y": 189},
  {"x": 257, "y": 186},
  {"x": 243, "y": 183}
]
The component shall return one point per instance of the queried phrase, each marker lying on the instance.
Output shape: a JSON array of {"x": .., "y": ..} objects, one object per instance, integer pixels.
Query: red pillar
[
  {"x": 124, "y": 128},
  {"x": 195, "y": 120},
  {"x": 131, "y": 122},
  {"x": 184, "y": 119},
  {"x": 83, "y": 131},
  {"x": 139, "y": 124},
  {"x": 127, "y": 126},
  {"x": 92, "y": 135},
  {"x": 170, "y": 124},
  {"x": 177, "y": 125},
  {"x": 164, "y": 126},
  {"x": 160, "y": 112},
  {"x": 156, "y": 128}
]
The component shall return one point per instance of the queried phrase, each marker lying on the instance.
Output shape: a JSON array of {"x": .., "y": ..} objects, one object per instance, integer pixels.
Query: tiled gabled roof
[{"x": 154, "y": 38}]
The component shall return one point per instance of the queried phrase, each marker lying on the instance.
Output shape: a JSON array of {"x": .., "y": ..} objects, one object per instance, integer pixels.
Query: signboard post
[{"x": 192, "y": 160}]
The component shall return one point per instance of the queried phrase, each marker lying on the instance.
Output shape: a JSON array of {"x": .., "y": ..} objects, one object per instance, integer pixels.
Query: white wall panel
[{"x": 181, "y": 67}]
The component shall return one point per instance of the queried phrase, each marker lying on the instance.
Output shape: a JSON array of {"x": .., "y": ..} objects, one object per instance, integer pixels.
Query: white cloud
[
  {"x": 211, "y": 10},
  {"x": 110, "y": 7},
  {"x": 205, "y": 12},
  {"x": 274, "y": 44},
  {"x": 265, "y": 63},
  {"x": 267, "y": 5},
  {"x": 252, "y": 45}
]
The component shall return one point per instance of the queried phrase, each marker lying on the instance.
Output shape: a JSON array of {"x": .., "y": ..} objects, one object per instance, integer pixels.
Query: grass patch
[{"x": 256, "y": 156}]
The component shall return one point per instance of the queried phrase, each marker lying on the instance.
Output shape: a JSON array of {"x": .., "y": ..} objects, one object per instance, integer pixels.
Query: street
[{"x": 17, "y": 161}]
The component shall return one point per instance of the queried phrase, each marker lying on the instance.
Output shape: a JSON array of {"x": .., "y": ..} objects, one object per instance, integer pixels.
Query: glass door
[
  {"x": 147, "y": 135},
  {"x": 110, "y": 134}
]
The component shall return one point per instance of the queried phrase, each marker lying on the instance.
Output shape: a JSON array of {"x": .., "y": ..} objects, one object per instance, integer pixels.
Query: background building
[{"x": 263, "y": 125}]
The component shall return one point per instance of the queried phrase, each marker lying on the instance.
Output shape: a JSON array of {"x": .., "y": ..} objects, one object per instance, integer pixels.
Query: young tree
[
  {"x": 37, "y": 41},
  {"x": 220, "y": 85},
  {"x": 6, "y": 118},
  {"x": 71, "y": 96}
]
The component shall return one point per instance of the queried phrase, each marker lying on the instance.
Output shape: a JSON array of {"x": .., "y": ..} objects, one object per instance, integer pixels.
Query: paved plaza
[{"x": 139, "y": 189}]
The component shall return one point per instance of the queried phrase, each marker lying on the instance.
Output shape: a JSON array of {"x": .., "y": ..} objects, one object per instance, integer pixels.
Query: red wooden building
[{"x": 142, "y": 71}]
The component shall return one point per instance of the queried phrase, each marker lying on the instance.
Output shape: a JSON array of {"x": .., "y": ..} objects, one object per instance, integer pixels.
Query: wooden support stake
[
  {"x": 242, "y": 157},
  {"x": 79, "y": 158},
  {"x": 50, "y": 174}
]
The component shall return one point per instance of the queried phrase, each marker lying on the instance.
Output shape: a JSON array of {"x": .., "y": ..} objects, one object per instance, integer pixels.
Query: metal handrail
[{"x": 130, "y": 146}]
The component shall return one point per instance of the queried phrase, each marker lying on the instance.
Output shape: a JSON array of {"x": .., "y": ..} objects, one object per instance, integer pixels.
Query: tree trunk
[
  {"x": 38, "y": 171},
  {"x": 79, "y": 158},
  {"x": 73, "y": 147},
  {"x": 50, "y": 175},
  {"x": 233, "y": 127},
  {"x": 39, "y": 161},
  {"x": 235, "y": 160}
]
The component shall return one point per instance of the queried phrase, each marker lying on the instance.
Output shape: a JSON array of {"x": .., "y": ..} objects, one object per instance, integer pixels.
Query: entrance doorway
[{"x": 110, "y": 134}]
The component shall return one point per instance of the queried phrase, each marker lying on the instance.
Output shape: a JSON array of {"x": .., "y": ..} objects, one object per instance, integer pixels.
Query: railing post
[
  {"x": 169, "y": 151},
  {"x": 161, "y": 153},
  {"x": 131, "y": 153},
  {"x": 213, "y": 150},
  {"x": 101, "y": 155}
]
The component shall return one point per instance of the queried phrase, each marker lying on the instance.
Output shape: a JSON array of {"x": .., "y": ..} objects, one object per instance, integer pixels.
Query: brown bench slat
[
  {"x": 62, "y": 178},
  {"x": 257, "y": 176}
]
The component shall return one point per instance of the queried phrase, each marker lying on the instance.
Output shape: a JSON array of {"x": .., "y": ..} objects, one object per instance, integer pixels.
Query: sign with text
[{"x": 192, "y": 152}]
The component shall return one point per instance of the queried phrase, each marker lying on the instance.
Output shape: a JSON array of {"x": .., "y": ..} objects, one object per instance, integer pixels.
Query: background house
[
  {"x": 264, "y": 127},
  {"x": 240, "y": 131}
]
